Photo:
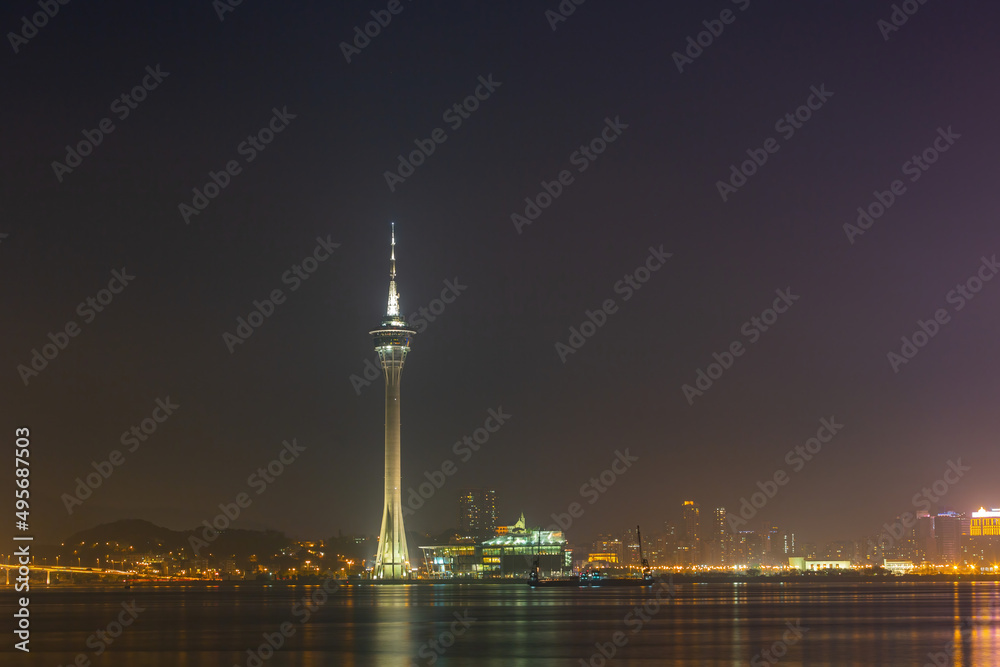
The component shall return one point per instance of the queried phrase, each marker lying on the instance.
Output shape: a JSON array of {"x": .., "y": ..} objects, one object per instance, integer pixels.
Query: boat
[
  {"x": 597, "y": 579},
  {"x": 569, "y": 582},
  {"x": 594, "y": 578},
  {"x": 536, "y": 582},
  {"x": 533, "y": 579}
]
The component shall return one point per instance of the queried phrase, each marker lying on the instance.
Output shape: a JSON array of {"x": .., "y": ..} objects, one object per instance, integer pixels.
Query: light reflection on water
[{"x": 396, "y": 626}]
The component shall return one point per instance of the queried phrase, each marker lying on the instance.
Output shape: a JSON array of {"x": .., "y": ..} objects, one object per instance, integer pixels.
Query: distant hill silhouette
[
  {"x": 138, "y": 533},
  {"x": 144, "y": 537}
]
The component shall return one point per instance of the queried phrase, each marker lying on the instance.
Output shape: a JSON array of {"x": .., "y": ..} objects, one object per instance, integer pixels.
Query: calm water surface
[{"x": 513, "y": 625}]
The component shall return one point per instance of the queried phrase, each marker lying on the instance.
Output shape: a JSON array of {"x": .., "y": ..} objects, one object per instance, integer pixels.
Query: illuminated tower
[{"x": 392, "y": 342}]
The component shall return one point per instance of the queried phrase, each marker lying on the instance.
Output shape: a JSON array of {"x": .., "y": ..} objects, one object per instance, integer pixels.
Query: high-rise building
[
  {"x": 664, "y": 549},
  {"x": 630, "y": 548},
  {"x": 691, "y": 534},
  {"x": 392, "y": 343},
  {"x": 774, "y": 546},
  {"x": 657, "y": 551},
  {"x": 949, "y": 530},
  {"x": 720, "y": 543},
  {"x": 477, "y": 512},
  {"x": 841, "y": 550},
  {"x": 788, "y": 543},
  {"x": 926, "y": 543},
  {"x": 751, "y": 548}
]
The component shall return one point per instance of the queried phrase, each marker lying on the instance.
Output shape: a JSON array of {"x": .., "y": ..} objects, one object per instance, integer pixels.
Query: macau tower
[{"x": 392, "y": 342}]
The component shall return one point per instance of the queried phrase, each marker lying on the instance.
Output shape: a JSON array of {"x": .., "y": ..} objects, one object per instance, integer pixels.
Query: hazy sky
[{"x": 627, "y": 130}]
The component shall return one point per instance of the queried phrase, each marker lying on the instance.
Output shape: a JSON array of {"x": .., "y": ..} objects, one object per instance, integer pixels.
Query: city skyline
[
  {"x": 944, "y": 539},
  {"x": 696, "y": 542}
]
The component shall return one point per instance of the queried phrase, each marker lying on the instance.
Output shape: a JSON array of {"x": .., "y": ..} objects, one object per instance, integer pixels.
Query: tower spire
[
  {"x": 393, "y": 309},
  {"x": 392, "y": 252}
]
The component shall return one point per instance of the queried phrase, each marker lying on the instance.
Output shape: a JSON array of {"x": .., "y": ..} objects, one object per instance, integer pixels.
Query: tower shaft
[{"x": 392, "y": 561}]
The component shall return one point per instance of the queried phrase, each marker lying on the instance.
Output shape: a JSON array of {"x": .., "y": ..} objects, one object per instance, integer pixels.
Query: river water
[{"x": 513, "y": 625}]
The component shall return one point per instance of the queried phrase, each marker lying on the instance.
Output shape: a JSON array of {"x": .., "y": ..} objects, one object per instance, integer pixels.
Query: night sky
[{"x": 608, "y": 67}]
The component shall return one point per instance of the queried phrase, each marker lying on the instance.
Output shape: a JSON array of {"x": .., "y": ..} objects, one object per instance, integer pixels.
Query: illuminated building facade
[
  {"x": 985, "y": 523},
  {"x": 607, "y": 548},
  {"x": 984, "y": 539},
  {"x": 810, "y": 565},
  {"x": 392, "y": 343},
  {"x": 510, "y": 555},
  {"x": 513, "y": 555}
]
